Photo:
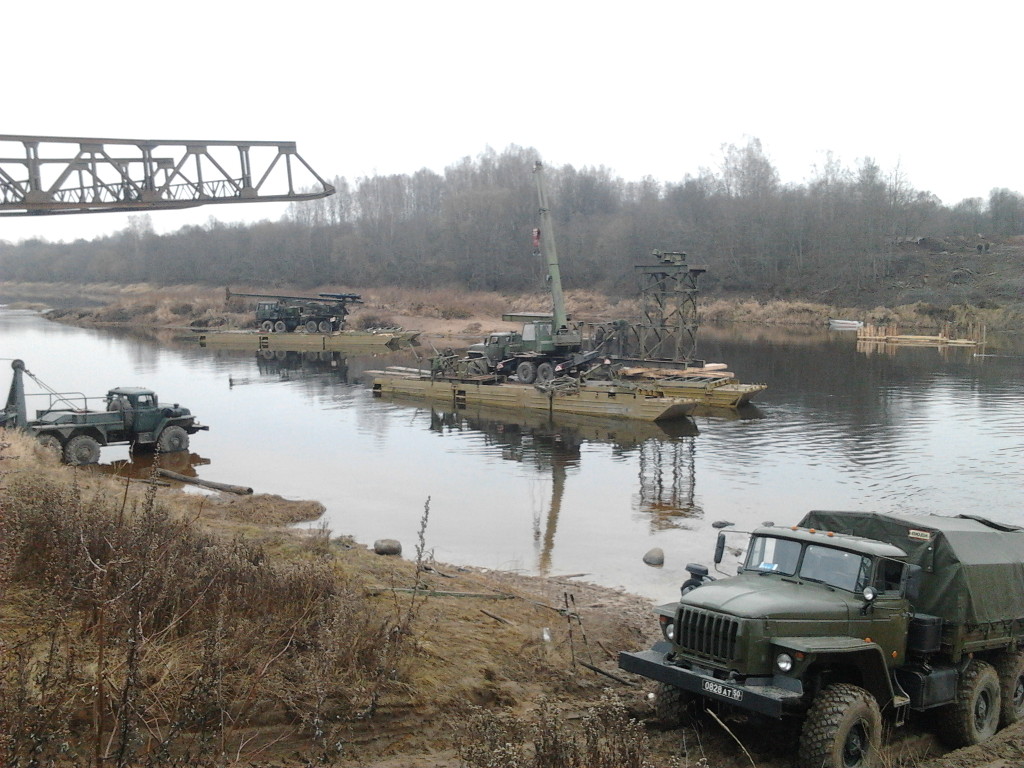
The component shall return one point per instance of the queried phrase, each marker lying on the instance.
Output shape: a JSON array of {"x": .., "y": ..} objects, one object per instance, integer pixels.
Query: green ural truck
[
  {"x": 849, "y": 617},
  {"x": 130, "y": 415}
]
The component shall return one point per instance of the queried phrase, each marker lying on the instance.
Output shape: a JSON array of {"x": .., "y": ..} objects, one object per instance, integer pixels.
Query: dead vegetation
[
  {"x": 455, "y": 312},
  {"x": 131, "y": 633}
]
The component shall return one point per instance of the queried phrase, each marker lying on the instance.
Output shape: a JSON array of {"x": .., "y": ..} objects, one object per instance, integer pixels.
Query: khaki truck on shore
[
  {"x": 132, "y": 416},
  {"x": 847, "y": 619}
]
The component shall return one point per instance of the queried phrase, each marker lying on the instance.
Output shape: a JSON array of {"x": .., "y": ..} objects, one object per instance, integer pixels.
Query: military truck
[
  {"x": 535, "y": 354},
  {"x": 131, "y": 415},
  {"x": 323, "y": 313},
  {"x": 846, "y": 617}
]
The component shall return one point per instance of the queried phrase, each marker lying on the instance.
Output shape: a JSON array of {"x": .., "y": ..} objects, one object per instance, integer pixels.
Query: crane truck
[
  {"x": 131, "y": 416},
  {"x": 323, "y": 313},
  {"x": 548, "y": 345},
  {"x": 844, "y": 618}
]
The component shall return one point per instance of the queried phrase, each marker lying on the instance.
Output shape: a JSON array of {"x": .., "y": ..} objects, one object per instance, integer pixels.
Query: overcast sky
[{"x": 645, "y": 89}]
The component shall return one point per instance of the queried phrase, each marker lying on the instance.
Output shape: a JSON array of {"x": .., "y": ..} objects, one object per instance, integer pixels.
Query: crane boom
[
  {"x": 547, "y": 236},
  {"x": 50, "y": 175}
]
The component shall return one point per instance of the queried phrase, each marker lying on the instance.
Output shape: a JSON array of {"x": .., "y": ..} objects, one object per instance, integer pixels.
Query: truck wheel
[
  {"x": 173, "y": 439},
  {"x": 526, "y": 372},
  {"x": 843, "y": 729},
  {"x": 267, "y": 326},
  {"x": 280, "y": 326},
  {"x": 50, "y": 444},
  {"x": 672, "y": 706},
  {"x": 311, "y": 326},
  {"x": 325, "y": 326},
  {"x": 974, "y": 716},
  {"x": 82, "y": 449},
  {"x": 1010, "y": 668},
  {"x": 545, "y": 373}
]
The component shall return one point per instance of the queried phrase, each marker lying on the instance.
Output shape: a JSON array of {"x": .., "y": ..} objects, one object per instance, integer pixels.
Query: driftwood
[
  {"x": 495, "y": 616},
  {"x": 437, "y": 593},
  {"x": 600, "y": 671},
  {"x": 239, "y": 489}
]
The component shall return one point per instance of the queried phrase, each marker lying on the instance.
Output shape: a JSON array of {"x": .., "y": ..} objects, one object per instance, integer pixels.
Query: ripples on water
[{"x": 915, "y": 431}]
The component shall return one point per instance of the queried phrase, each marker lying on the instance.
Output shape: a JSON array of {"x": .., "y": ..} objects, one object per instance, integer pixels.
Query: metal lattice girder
[
  {"x": 46, "y": 174},
  {"x": 668, "y": 296}
]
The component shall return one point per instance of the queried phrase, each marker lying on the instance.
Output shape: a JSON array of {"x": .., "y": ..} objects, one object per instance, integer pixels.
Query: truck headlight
[
  {"x": 668, "y": 628},
  {"x": 784, "y": 662}
]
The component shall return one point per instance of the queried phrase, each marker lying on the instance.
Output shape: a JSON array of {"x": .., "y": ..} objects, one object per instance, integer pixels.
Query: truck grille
[{"x": 709, "y": 635}]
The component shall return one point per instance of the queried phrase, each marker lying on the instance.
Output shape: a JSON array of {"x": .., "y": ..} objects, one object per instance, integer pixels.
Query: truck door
[
  {"x": 886, "y": 620},
  {"x": 146, "y": 414}
]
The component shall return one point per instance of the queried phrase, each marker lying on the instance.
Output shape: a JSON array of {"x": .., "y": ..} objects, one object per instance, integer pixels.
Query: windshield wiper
[{"x": 818, "y": 581}]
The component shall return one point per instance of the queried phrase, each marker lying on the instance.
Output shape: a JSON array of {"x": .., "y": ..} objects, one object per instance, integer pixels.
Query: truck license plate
[{"x": 733, "y": 694}]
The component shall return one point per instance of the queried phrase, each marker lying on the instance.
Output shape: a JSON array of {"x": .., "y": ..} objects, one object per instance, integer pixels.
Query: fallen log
[
  {"x": 600, "y": 671},
  {"x": 239, "y": 489},
  {"x": 374, "y": 591}
]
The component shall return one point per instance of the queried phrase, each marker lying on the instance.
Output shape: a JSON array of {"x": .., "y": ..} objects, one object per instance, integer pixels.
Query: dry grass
[
  {"x": 455, "y": 311},
  {"x": 132, "y": 633}
]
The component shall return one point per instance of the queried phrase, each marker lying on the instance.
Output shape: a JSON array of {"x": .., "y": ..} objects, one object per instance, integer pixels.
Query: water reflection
[
  {"x": 289, "y": 365},
  {"x": 143, "y": 466},
  {"x": 554, "y": 447}
]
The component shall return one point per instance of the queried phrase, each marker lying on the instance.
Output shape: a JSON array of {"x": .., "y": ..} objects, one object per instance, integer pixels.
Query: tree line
[{"x": 844, "y": 230}]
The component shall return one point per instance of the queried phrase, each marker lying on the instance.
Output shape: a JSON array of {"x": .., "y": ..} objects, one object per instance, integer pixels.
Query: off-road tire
[
  {"x": 843, "y": 729},
  {"x": 311, "y": 326},
  {"x": 280, "y": 326},
  {"x": 173, "y": 439},
  {"x": 267, "y": 326},
  {"x": 673, "y": 706},
  {"x": 50, "y": 444},
  {"x": 526, "y": 372},
  {"x": 973, "y": 717},
  {"x": 325, "y": 326},
  {"x": 82, "y": 449},
  {"x": 1010, "y": 668},
  {"x": 545, "y": 373}
]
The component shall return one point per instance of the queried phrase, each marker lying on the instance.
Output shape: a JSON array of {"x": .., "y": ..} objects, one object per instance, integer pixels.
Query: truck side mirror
[
  {"x": 912, "y": 581},
  {"x": 720, "y": 547}
]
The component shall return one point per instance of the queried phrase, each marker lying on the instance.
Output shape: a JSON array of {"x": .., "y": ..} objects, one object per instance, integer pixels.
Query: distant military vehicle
[
  {"x": 323, "y": 313},
  {"x": 131, "y": 415},
  {"x": 847, "y": 616}
]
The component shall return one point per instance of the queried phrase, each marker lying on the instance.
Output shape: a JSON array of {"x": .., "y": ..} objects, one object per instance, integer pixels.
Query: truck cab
[{"x": 497, "y": 347}]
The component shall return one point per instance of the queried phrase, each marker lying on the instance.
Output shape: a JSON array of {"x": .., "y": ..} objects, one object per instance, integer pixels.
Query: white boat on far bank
[{"x": 835, "y": 324}]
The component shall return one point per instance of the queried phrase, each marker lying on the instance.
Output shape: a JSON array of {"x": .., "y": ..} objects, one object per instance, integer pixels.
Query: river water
[{"x": 915, "y": 430}]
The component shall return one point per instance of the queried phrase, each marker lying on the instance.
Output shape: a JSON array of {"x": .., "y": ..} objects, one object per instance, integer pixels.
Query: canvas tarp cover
[{"x": 973, "y": 570}]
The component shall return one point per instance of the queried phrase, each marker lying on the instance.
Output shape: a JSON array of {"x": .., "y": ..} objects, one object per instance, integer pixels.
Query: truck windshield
[
  {"x": 768, "y": 554},
  {"x": 843, "y": 570},
  {"x": 827, "y": 565}
]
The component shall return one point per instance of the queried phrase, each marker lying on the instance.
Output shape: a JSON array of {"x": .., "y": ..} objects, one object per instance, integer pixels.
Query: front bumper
[{"x": 770, "y": 696}]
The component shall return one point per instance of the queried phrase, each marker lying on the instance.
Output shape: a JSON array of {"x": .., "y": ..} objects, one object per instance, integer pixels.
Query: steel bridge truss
[
  {"x": 668, "y": 295},
  {"x": 47, "y": 175}
]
